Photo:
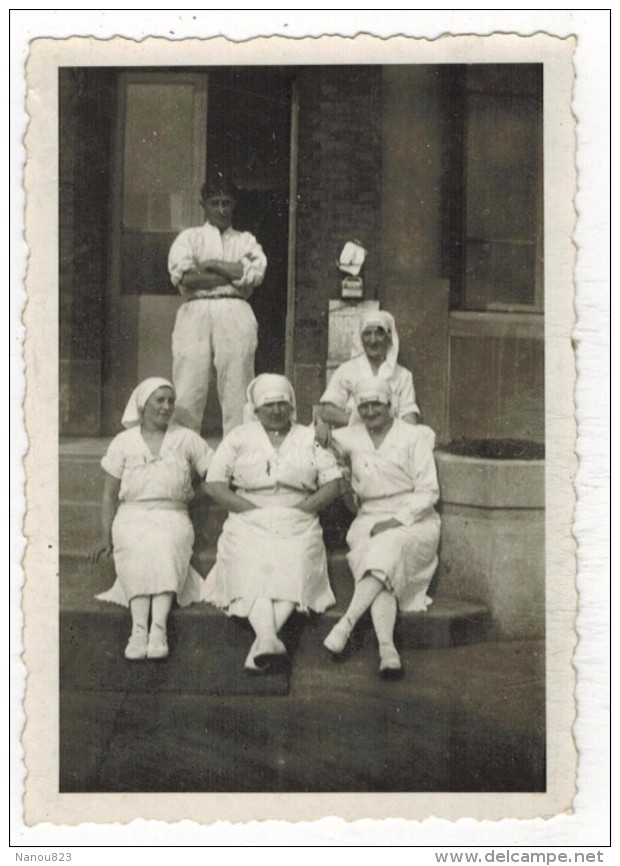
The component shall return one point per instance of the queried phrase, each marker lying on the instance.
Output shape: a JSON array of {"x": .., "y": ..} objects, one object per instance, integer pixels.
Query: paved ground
[{"x": 467, "y": 718}]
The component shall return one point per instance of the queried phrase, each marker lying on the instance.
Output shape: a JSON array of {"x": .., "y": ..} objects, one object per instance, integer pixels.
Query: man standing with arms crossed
[{"x": 215, "y": 268}]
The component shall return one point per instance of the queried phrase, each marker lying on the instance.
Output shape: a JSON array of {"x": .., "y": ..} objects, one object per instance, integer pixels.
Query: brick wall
[
  {"x": 86, "y": 102},
  {"x": 339, "y": 197}
]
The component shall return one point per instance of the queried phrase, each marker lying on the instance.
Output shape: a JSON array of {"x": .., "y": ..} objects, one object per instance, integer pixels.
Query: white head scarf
[
  {"x": 379, "y": 319},
  {"x": 135, "y": 405},
  {"x": 372, "y": 389},
  {"x": 268, "y": 388}
]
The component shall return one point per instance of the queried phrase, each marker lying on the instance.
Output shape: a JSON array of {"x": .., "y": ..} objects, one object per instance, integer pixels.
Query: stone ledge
[{"x": 489, "y": 483}]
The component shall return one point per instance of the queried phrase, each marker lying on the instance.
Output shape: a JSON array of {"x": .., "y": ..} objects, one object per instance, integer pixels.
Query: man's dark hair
[{"x": 218, "y": 183}]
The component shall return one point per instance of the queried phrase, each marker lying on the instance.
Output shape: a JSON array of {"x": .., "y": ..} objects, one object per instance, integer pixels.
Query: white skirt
[
  {"x": 405, "y": 558},
  {"x": 153, "y": 543},
  {"x": 274, "y": 552}
]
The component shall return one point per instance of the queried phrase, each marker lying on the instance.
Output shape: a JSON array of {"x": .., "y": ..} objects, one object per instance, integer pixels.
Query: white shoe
[
  {"x": 136, "y": 647},
  {"x": 390, "y": 665},
  {"x": 157, "y": 647},
  {"x": 339, "y": 636},
  {"x": 250, "y": 663},
  {"x": 266, "y": 651}
]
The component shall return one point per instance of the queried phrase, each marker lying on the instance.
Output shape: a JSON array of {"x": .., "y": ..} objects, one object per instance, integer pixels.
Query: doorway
[
  {"x": 171, "y": 125},
  {"x": 248, "y": 134}
]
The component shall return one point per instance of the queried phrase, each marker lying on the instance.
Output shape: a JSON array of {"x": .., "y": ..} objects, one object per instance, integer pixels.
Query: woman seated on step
[
  {"x": 273, "y": 478},
  {"x": 145, "y": 523},
  {"x": 374, "y": 353},
  {"x": 394, "y": 538}
]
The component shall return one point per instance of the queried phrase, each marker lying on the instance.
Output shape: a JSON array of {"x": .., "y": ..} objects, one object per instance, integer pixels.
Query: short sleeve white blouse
[
  {"x": 165, "y": 476},
  {"x": 340, "y": 388},
  {"x": 400, "y": 473},
  {"x": 247, "y": 460}
]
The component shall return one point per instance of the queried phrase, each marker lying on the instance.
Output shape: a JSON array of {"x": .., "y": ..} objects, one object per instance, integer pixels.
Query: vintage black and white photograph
[{"x": 303, "y": 408}]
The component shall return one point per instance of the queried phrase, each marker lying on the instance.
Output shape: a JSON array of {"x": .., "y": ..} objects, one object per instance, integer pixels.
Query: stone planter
[{"x": 493, "y": 539}]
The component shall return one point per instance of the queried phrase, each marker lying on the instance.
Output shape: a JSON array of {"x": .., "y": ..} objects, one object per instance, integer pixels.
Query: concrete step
[
  {"x": 447, "y": 622},
  {"x": 80, "y": 489},
  {"x": 80, "y": 523},
  {"x": 468, "y": 719},
  {"x": 81, "y": 475},
  {"x": 423, "y": 733},
  {"x": 102, "y": 574},
  {"x": 81, "y": 485},
  {"x": 80, "y": 480}
]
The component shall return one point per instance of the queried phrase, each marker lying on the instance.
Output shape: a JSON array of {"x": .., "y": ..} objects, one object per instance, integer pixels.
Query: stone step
[
  {"x": 447, "y": 622},
  {"x": 464, "y": 720},
  {"x": 81, "y": 485},
  {"x": 80, "y": 524},
  {"x": 80, "y": 509},
  {"x": 203, "y": 560},
  {"x": 81, "y": 475},
  {"x": 79, "y": 527},
  {"x": 80, "y": 489}
]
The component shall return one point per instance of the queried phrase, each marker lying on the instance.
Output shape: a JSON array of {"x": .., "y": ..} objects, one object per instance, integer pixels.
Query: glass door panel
[{"x": 163, "y": 168}]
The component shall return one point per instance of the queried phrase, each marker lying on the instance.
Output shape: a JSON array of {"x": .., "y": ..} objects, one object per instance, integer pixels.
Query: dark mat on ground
[{"x": 92, "y": 657}]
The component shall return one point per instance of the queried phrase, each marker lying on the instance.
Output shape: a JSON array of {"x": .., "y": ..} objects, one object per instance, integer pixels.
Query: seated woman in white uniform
[
  {"x": 374, "y": 353},
  {"x": 148, "y": 478},
  {"x": 273, "y": 478},
  {"x": 394, "y": 538}
]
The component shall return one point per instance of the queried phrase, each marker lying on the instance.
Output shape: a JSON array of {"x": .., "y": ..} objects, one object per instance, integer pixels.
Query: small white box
[{"x": 352, "y": 287}]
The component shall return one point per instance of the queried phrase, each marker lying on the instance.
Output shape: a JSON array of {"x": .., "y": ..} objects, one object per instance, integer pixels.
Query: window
[
  {"x": 496, "y": 238},
  {"x": 162, "y": 164}
]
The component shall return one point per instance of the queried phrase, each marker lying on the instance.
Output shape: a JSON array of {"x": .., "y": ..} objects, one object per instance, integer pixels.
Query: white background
[{"x": 588, "y": 826}]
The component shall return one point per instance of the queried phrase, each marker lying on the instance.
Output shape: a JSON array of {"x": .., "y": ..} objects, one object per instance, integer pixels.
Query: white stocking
[
  {"x": 281, "y": 612},
  {"x": 140, "y": 606},
  {"x": 160, "y": 609},
  {"x": 383, "y": 612},
  {"x": 261, "y": 619},
  {"x": 366, "y": 591}
]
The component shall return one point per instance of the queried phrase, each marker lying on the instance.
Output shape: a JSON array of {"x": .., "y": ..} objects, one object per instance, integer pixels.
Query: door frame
[
  {"x": 127, "y": 314},
  {"x": 291, "y": 287}
]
